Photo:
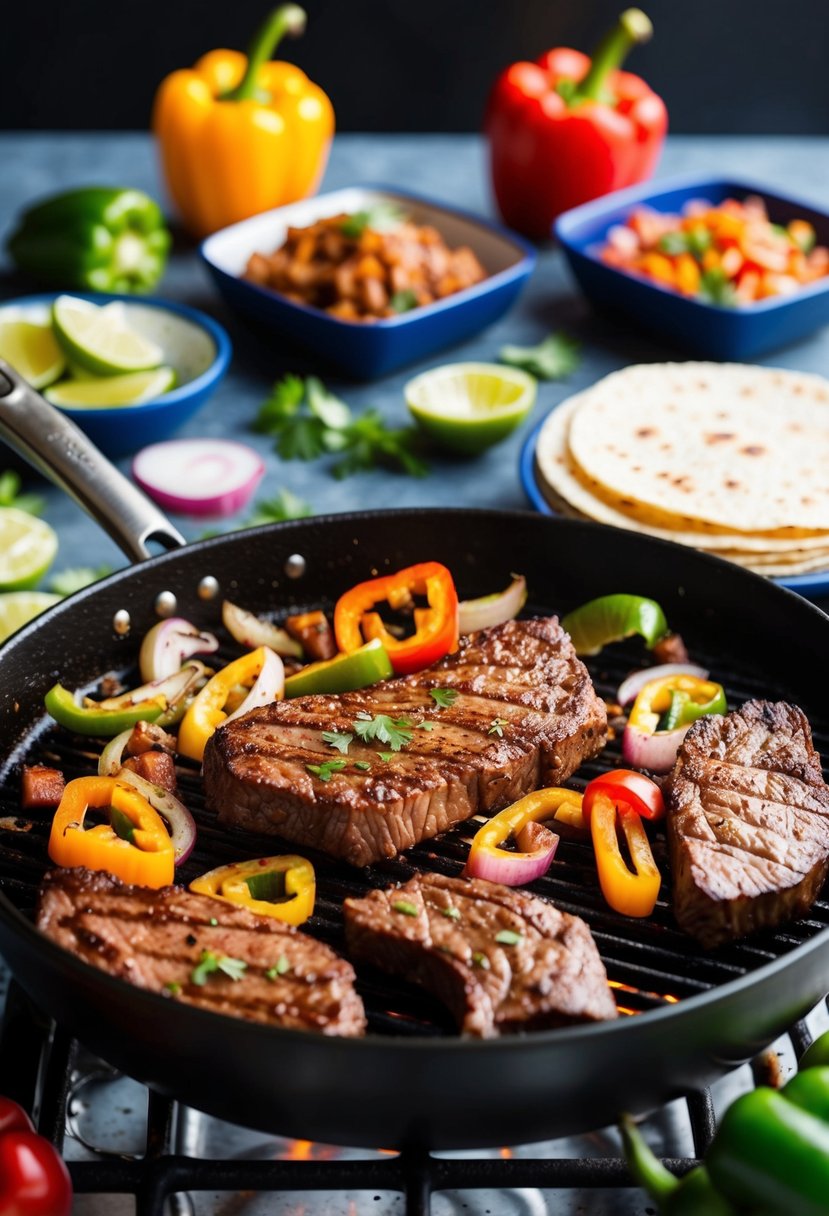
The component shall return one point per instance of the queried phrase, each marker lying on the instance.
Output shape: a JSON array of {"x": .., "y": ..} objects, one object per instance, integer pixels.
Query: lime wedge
[
  {"x": 32, "y": 351},
  {"x": 468, "y": 407},
  {"x": 136, "y": 388},
  {"x": 27, "y": 549},
  {"x": 17, "y": 608},
  {"x": 99, "y": 339}
]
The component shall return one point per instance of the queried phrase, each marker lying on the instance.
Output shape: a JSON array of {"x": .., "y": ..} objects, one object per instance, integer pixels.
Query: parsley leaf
[
  {"x": 338, "y": 739},
  {"x": 496, "y": 727},
  {"x": 382, "y": 217},
  {"x": 65, "y": 582},
  {"x": 325, "y": 770},
  {"x": 394, "y": 731},
  {"x": 332, "y": 413},
  {"x": 443, "y": 697},
  {"x": 426, "y": 725},
  {"x": 369, "y": 442},
  {"x": 286, "y": 505},
  {"x": 233, "y": 968},
  {"x": 10, "y": 495},
  {"x": 553, "y": 359}
]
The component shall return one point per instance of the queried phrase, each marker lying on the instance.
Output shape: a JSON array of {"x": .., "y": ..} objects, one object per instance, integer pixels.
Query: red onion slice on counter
[
  {"x": 630, "y": 688},
  {"x": 199, "y": 476}
]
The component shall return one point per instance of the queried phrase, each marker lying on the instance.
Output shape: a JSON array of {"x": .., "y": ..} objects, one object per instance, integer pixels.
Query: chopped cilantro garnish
[
  {"x": 213, "y": 921},
  {"x": 508, "y": 937},
  {"x": 233, "y": 968},
  {"x": 426, "y": 725},
  {"x": 385, "y": 756},
  {"x": 338, "y": 739},
  {"x": 363, "y": 765},
  {"x": 382, "y": 217},
  {"x": 443, "y": 697},
  {"x": 325, "y": 770},
  {"x": 496, "y": 727},
  {"x": 397, "y": 732},
  {"x": 403, "y": 301},
  {"x": 406, "y": 908},
  {"x": 173, "y": 988},
  {"x": 450, "y": 913},
  {"x": 553, "y": 359},
  {"x": 480, "y": 960},
  {"x": 281, "y": 966}
]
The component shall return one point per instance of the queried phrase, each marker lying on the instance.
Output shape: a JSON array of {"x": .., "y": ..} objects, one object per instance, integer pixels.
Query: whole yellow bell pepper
[{"x": 241, "y": 134}]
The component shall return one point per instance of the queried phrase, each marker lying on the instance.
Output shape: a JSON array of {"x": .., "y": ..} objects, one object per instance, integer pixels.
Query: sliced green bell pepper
[
  {"x": 86, "y": 720},
  {"x": 95, "y": 239},
  {"x": 613, "y": 617},
  {"x": 343, "y": 673}
]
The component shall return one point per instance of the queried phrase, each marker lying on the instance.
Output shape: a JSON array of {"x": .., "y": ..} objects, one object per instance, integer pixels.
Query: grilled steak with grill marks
[
  {"x": 748, "y": 822},
  {"x": 159, "y": 939},
  {"x": 500, "y": 959},
  {"x": 525, "y": 714}
]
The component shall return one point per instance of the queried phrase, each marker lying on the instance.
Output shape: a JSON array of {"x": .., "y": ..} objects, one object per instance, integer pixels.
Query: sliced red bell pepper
[
  {"x": 436, "y": 627},
  {"x": 33, "y": 1178},
  {"x": 568, "y": 128},
  {"x": 633, "y": 790}
]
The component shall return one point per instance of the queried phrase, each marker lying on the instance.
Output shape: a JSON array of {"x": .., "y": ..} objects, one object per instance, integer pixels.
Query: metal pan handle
[{"x": 61, "y": 451}]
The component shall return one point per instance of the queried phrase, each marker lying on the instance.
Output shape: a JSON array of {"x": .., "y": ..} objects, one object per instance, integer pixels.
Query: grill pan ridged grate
[{"x": 650, "y": 962}]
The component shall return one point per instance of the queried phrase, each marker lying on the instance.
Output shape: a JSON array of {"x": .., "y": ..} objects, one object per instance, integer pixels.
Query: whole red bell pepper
[
  {"x": 568, "y": 128},
  {"x": 33, "y": 1178}
]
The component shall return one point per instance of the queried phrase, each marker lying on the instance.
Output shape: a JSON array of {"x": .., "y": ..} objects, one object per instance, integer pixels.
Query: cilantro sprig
[
  {"x": 341, "y": 740},
  {"x": 554, "y": 358},
  {"x": 308, "y": 421},
  {"x": 397, "y": 732},
  {"x": 325, "y": 770},
  {"x": 209, "y": 963},
  {"x": 443, "y": 697}
]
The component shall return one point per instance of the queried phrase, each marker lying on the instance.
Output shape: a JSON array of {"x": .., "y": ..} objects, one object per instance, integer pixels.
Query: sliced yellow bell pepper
[
  {"x": 135, "y": 845},
  {"x": 633, "y": 893},
  {"x": 238, "y": 134},
  {"x": 535, "y": 851},
  {"x": 207, "y": 710},
  {"x": 282, "y": 887}
]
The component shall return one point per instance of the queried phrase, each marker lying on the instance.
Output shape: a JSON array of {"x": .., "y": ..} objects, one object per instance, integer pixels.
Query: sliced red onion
[
  {"x": 512, "y": 869},
  {"x": 630, "y": 688},
  {"x": 652, "y": 750},
  {"x": 493, "y": 609},
  {"x": 175, "y": 814},
  {"x": 199, "y": 476},
  {"x": 252, "y": 632},
  {"x": 268, "y": 687},
  {"x": 166, "y": 646},
  {"x": 181, "y": 823}
]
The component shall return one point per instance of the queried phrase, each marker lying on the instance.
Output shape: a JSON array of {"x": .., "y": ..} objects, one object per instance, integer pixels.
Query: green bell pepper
[
  {"x": 613, "y": 617},
  {"x": 343, "y": 673},
  {"x": 87, "y": 720},
  {"x": 95, "y": 239},
  {"x": 769, "y": 1157}
]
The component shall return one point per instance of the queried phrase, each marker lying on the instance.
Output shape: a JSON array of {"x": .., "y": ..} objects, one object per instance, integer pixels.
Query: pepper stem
[
  {"x": 647, "y": 1170},
  {"x": 286, "y": 19},
  {"x": 633, "y": 27}
]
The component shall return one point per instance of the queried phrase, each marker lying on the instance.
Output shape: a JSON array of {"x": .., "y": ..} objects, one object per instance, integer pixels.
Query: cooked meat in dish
[
  {"x": 501, "y": 960},
  {"x": 525, "y": 715},
  {"x": 748, "y": 822},
  {"x": 168, "y": 940}
]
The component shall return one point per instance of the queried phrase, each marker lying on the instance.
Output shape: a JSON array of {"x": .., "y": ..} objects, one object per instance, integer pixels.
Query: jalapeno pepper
[
  {"x": 631, "y": 892},
  {"x": 207, "y": 710},
  {"x": 436, "y": 627},
  {"x": 610, "y": 618},
  {"x": 343, "y": 673},
  {"x": 488, "y": 860},
  {"x": 135, "y": 845},
  {"x": 282, "y": 887},
  {"x": 92, "y": 720}
]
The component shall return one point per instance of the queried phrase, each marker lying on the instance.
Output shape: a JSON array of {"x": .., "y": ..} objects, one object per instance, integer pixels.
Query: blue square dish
[
  {"x": 367, "y": 350},
  {"x": 703, "y": 329}
]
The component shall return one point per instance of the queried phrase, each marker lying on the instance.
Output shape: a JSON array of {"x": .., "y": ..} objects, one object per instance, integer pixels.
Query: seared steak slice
[
  {"x": 525, "y": 715},
  {"x": 500, "y": 959},
  {"x": 158, "y": 939},
  {"x": 748, "y": 822}
]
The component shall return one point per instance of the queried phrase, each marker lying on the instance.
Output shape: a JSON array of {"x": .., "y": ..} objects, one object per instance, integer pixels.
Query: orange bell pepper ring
[
  {"x": 631, "y": 892},
  {"x": 135, "y": 845},
  {"x": 436, "y": 627}
]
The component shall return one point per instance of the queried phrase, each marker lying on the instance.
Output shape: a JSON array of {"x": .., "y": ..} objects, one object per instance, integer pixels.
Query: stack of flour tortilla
[{"x": 729, "y": 458}]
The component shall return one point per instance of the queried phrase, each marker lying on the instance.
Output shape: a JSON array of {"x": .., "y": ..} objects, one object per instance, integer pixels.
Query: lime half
[
  {"x": 17, "y": 608},
  {"x": 104, "y": 391},
  {"x": 32, "y": 351},
  {"x": 468, "y": 407},
  {"x": 27, "y": 549},
  {"x": 99, "y": 338}
]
